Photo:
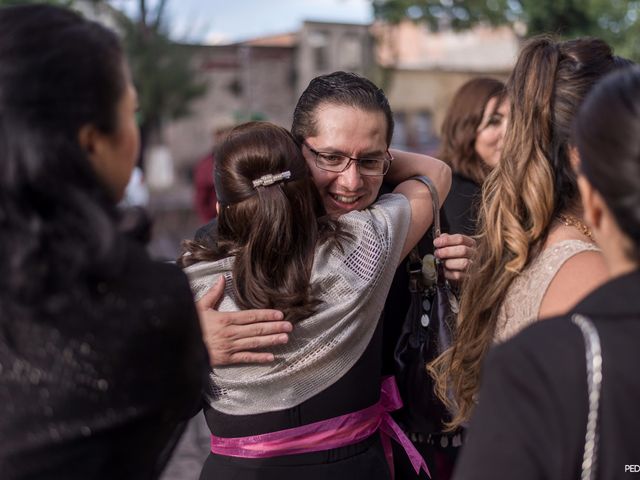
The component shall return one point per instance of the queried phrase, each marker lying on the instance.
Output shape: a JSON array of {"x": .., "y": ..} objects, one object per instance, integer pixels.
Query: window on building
[
  {"x": 351, "y": 52},
  {"x": 427, "y": 140},
  {"x": 399, "y": 139},
  {"x": 319, "y": 43}
]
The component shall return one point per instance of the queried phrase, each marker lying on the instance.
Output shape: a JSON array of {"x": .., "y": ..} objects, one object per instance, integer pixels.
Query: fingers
[
  {"x": 242, "y": 350},
  {"x": 454, "y": 276},
  {"x": 255, "y": 343},
  {"x": 247, "y": 317},
  {"x": 251, "y": 357},
  {"x": 459, "y": 252},
  {"x": 239, "y": 332},
  {"x": 212, "y": 297},
  {"x": 456, "y": 252},
  {"x": 446, "y": 240},
  {"x": 229, "y": 343},
  {"x": 457, "y": 264}
]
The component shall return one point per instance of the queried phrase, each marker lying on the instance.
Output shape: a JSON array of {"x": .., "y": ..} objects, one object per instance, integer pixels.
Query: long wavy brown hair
[
  {"x": 460, "y": 127},
  {"x": 531, "y": 185},
  {"x": 272, "y": 231}
]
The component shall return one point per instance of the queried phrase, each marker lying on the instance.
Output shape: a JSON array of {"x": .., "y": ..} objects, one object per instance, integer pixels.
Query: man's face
[{"x": 348, "y": 131}]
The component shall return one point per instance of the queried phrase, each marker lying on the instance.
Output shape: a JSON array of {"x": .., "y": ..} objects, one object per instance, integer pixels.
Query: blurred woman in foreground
[{"x": 100, "y": 349}]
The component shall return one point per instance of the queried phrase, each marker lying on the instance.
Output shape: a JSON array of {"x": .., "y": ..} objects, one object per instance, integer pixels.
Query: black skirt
[{"x": 363, "y": 460}]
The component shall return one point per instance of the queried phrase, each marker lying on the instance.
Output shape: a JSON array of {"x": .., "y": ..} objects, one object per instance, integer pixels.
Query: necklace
[{"x": 571, "y": 221}]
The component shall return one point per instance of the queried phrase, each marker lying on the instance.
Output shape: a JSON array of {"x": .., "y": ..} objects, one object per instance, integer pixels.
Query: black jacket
[
  {"x": 461, "y": 205},
  {"x": 102, "y": 389},
  {"x": 531, "y": 419}
]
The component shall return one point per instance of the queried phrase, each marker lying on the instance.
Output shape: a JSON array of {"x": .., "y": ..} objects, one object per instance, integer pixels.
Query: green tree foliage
[
  {"x": 162, "y": 69},
  {"x": 616, "y": 21},
  {"x": 62, "y": 3}
]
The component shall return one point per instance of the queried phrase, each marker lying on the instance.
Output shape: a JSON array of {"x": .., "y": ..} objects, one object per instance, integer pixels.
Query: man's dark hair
[{"x": 338, "y": 88}]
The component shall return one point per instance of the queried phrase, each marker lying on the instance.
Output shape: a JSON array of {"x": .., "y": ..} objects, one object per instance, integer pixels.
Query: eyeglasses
[{"x": 336, "y": 162}]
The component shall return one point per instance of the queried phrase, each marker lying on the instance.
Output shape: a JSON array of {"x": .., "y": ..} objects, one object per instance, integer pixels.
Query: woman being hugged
[
  {"x": 100, "y": 348},
  {"x": 535, "y": 256},
  {"x": 315, "y": 411}
]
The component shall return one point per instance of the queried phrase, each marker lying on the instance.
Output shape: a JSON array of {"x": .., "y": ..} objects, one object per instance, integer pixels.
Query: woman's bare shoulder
[{"x": 577, "y": 277}]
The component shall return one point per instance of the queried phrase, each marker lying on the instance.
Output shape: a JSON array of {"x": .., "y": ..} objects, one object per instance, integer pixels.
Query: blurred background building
[
  {"x": 262, "y": 78},
  {"x": 418, "y": 51}
]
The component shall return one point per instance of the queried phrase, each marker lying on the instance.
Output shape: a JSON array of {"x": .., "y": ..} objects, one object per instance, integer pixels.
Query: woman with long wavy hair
[
  {"x": 535, "y": 255},
  {"x": 538, "y": 392}
]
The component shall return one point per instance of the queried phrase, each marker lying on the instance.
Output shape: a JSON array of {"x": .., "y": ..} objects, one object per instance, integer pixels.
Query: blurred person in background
[
  {"x": 101, "y": 355},
  {"x": 536, "y": 257},
  {"x": 536, "y": 401},
  {"x": 136, "y": 194},
  {"x": 134, "y": 216},
  {"x": 204, "y": 199},
  {"x": 470, "y": 143}
]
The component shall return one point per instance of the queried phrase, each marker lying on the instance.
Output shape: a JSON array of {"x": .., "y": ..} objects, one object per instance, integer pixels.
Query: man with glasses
[{"x": 344, "y": 125}]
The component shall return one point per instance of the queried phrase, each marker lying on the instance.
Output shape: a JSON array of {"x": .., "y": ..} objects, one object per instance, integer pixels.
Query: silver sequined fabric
[{"x": 352, "y": 285}]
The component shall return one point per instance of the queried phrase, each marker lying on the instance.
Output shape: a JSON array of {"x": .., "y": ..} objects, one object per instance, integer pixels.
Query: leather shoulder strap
[{"x": 435, "y": 202}]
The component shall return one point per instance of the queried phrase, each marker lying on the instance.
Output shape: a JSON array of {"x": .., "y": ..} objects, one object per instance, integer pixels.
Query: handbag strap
[
  {"x": 594, "y": 384},
  {"x": 435, "y": 203}
]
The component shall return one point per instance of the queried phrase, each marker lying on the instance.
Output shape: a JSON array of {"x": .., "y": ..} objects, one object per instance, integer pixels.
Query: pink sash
[{"x": 331, "y": 433}]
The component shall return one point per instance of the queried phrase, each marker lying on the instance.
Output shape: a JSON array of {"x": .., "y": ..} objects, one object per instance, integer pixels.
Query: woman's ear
[
  {"x": 218, "y": 208},
  {"x": 95, "y": 144},
  {"x": 574, "y": 158},
  {"x": 87, "y": 138},
  {"x": 592, "y": 203}
]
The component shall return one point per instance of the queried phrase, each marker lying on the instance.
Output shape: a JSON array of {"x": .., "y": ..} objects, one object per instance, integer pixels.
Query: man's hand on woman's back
[{"x": 237, "y": 337}]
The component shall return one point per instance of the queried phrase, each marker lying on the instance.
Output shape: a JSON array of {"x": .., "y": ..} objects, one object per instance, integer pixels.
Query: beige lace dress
[{"x": 522, "y": 303}]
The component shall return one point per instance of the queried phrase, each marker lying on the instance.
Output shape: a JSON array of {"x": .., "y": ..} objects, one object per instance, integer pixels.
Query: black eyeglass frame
[{"x": 387, "y": 161}]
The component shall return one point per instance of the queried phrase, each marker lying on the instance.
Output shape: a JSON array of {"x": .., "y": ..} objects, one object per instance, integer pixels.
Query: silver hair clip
[{"x": 270, "y": 179}]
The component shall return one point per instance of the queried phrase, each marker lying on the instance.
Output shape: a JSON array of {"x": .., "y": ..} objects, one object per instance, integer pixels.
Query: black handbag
[{"x": 427, "y": 331}]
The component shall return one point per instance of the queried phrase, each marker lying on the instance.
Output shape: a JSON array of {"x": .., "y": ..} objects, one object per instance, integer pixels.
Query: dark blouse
[
  {"x": 461, "y": 205},
  {"x": 102, "y": 388},
  {"x": 531, "y": 419}
]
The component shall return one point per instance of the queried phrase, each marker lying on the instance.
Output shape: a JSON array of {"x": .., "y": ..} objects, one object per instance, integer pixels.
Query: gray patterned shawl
[{"x": 352, "y": 285}]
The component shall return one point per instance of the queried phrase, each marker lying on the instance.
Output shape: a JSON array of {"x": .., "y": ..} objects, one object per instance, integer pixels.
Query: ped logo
[{"x": 632, "y": 468}]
